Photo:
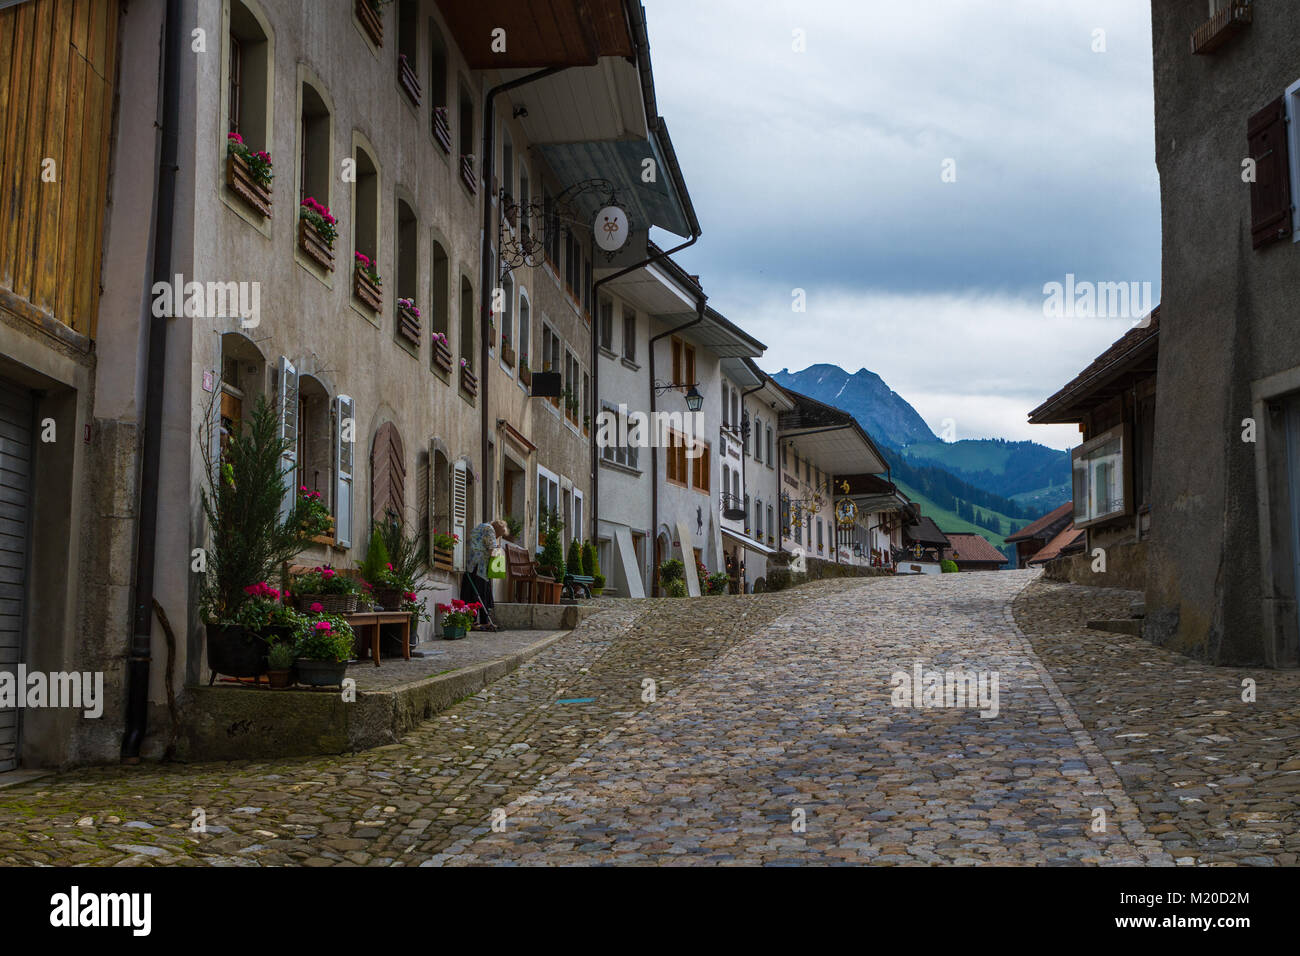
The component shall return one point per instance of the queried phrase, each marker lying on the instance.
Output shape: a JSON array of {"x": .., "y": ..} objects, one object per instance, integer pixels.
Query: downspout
[
  {"x": 485, "y": 276},
  {"x": 744, "y": 458},
  {"x": 654, "y": 443},
  {"x": 595, "y": 373},
  {"x": 137, "y": 675}
]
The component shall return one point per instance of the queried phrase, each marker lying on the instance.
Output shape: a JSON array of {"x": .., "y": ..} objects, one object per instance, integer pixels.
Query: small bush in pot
[
  {"x": 324, "y": 647},
  {"x": 279, "y": 660}
]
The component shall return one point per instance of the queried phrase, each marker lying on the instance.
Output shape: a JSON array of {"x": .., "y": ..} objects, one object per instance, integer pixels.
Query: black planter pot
[
  {"x": 321, "y": 673},
  {"x": 235, "y": 651}
]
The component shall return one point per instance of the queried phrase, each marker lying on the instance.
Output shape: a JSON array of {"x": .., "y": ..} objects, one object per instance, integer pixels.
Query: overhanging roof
[
  {"x": 749, "y": 543},
  {"x": 830, "y": 437},
  {"x": 742, "y": 372},
  {"x": 1132, "y": 358},
  {"x": 538, "y": 33},
  {"x": 659, "y": 203}
]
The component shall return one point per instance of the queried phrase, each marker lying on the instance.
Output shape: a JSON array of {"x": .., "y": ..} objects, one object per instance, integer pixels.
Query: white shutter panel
[
  {"x": 289, "y": 431},
  {"x": 345, "y": 444},
  {"x": 458, "y": 512},
  {"x": 433, "y": 494}
]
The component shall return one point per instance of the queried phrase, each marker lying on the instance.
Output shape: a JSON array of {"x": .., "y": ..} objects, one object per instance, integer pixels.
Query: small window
[
  {"x": 408, "y": 276},
  {"x": 249, "y": 78},
  {"x": 525, "y": 329},
  {"x": 700, "y": 471},
  {"x": 439, "y": 113},
  {"x": 607, "y": 325},
  {"x": 1099, "y": 477},
  {"x": 629, "y": 333},
  {"x": 466, "y": 323},
  {"x": 408, "y": 47}
]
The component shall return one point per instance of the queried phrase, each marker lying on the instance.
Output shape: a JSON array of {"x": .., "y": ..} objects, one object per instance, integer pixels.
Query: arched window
[
  {"x": 407, "y": 307},
  {"x": 365, "y": 228},
  {"x": 408, "y": 46},
  {"x": 314, "y": 177},
  {"x": 525, "y": 329},
  {"x": 467, "y": 323},
  {"x": 726, "y": 483},
  {"x": 508, "y": 320},
  {"x": 249, "y": 78},
  {"x": 726, "y": 403},
  {"x": 439, "y": 120}
]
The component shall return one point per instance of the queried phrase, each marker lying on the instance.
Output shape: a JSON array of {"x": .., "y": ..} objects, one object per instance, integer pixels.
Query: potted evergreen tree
[{"x": 250, "y": 537}]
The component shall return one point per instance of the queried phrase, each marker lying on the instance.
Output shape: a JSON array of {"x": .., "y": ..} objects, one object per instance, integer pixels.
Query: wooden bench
[
  {"x": 373, "y": 621},
  {"x": 522, "y": 575}
]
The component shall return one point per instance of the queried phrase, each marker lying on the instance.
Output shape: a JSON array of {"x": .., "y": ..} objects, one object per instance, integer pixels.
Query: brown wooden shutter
[
  {"x": 1270, "y": 193},
  {"x": 387, "y": 474}
]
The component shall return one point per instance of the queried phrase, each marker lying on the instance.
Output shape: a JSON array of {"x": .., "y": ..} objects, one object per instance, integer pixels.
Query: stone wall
[{"x": 1126, "y": 567}]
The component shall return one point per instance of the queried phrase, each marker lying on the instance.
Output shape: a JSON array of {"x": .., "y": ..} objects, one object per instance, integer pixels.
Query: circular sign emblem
[
  {"x": 846, "y": 512},
  {"x": 610, "y": 228}
]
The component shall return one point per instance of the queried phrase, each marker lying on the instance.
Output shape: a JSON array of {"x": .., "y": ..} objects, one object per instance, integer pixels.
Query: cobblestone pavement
[
  {"x": 772, "y": 739},
  {"x": 1217, "y": 779}
]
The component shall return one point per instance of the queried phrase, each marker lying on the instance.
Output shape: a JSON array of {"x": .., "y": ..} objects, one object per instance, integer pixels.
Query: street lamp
[{"x": 694, "y": 400}]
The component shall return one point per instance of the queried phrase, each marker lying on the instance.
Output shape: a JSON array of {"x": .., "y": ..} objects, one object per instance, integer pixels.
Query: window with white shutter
[
  {"x": 288, "y": 397},
  {"x": 344, "y": 454},
  {"x": 459, "y": 511}
]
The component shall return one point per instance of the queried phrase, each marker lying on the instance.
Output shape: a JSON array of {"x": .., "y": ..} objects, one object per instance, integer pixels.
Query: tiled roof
[
  {"x": 1130, "y": 346},
  {"x": 1070, "y": 539},
  {"x": 973, "y": 547},
  {"x": 1039, "y": 528},
  {"x": 925, "y": 531}
]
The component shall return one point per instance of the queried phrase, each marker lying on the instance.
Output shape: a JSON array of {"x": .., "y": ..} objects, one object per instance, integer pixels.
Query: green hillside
[
  {"x": 949, "y": 521},
  {"x": 965, "y": 455}
]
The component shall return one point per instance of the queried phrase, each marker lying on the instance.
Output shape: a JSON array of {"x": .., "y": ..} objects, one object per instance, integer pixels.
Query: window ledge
[
  {"x": 608, "y": 353},
  {"x": 628, "y": 363},
  {"x": 625, "y": 469}
]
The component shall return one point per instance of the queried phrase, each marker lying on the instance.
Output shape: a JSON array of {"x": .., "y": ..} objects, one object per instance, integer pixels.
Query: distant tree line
[{"x": 962, "y": 498}]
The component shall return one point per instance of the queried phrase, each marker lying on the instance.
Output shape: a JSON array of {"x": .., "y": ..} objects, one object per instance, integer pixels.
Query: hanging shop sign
[{"x": 610, "y": 228}]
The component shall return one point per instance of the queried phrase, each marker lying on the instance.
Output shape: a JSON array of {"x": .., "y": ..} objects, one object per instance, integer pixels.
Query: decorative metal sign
[
  {"x": 610, "y": 229},
  {"x": 846, "y": 512}
]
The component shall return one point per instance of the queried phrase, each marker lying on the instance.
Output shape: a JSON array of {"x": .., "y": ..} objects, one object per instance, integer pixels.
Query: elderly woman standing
[{"x": 474, "y": 585}]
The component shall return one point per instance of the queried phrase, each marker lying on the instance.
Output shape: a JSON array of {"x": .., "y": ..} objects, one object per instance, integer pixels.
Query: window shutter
[
  {"x": 459, "y": 511},
  {"x": 433, "y": 493},
  {"x": 387, "y": 474},
  {"x": 1270, "y": 193},
  {"x": 345, "y": 447},
  {"x": 289, "y": 433}
]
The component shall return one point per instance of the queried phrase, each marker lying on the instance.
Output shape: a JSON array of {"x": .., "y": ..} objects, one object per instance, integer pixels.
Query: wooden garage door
[{"x": 15, "y": 498}]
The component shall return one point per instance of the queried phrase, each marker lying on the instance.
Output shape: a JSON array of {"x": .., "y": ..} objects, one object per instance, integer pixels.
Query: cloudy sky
[{"x": 822, "y": 171}]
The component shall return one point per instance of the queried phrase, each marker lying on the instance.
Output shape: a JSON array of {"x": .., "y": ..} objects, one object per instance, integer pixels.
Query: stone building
[
  {"x": 1223, "y": 572},
  {"x": 461, "y": 170}
]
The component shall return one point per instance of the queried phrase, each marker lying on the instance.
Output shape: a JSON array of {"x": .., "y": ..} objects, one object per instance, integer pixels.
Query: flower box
[
  {"x": 442, "y": 560},
  {"x": 507, "y": 353},
  {"x": 442, "y": 356},
  {"x": 468, "y": 381},
  {"x": 310, "y": 242},
  {"x": 467, "y": 173},
  {"x": 1222, "y": 27},
  {"x": 239, "y": 179},
  {"x": 407, "y": 79},
  {"x": 526, "y": 375},
  {"x": 371, "y": 21},
  {"x": 366, "y": 290},
  {"x": 408, "y": 325},
  {"x": 442, "y": 128}
]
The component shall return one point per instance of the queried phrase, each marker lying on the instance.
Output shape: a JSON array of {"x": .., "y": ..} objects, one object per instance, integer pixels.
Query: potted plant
[
  {"x": 408, "y": 321},
  {"x": 507, "y": 352},
  {"x": 367, "y": 285},
  {"x": 573, "y": 560},
  {"x": 444, "y": 550},
  {"x": 324, "y": 647},
  {"x": 249, "y": 174},
  {"x": 551, "y": 562},
  {"x": 441, "y": 351},
  {"x": 324, "y": 590},
  {"x": 249, "y": 536},
  {"x": 442, "y": 128},
  {"x": 387, "y": 585},
  {"x": 525, "y": 373},
  {"x": 591, "y": 567},
  {"x": 671, "y": 573},
  {"x": 279, "y": 661},
  {"x": 716, "y": 583},
  {"x": 468, "y": 380},
  {"x": 317, "y": 230},
  {"x": 318, "y": 523},
  {"x": 457, "y": 618}
]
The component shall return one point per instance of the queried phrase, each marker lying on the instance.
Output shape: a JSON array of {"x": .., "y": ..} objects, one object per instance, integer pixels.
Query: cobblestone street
[{"x": 772, "y": 739}]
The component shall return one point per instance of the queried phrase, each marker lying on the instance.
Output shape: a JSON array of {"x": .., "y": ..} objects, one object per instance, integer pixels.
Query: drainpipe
[
  {"x": 595, "y": 372},
  {"x": 486, "y": 282},
  {"x": 137, "y": 675},
  {"x": 654, "y": 443},
  {"x": 744, "y": 459}
]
